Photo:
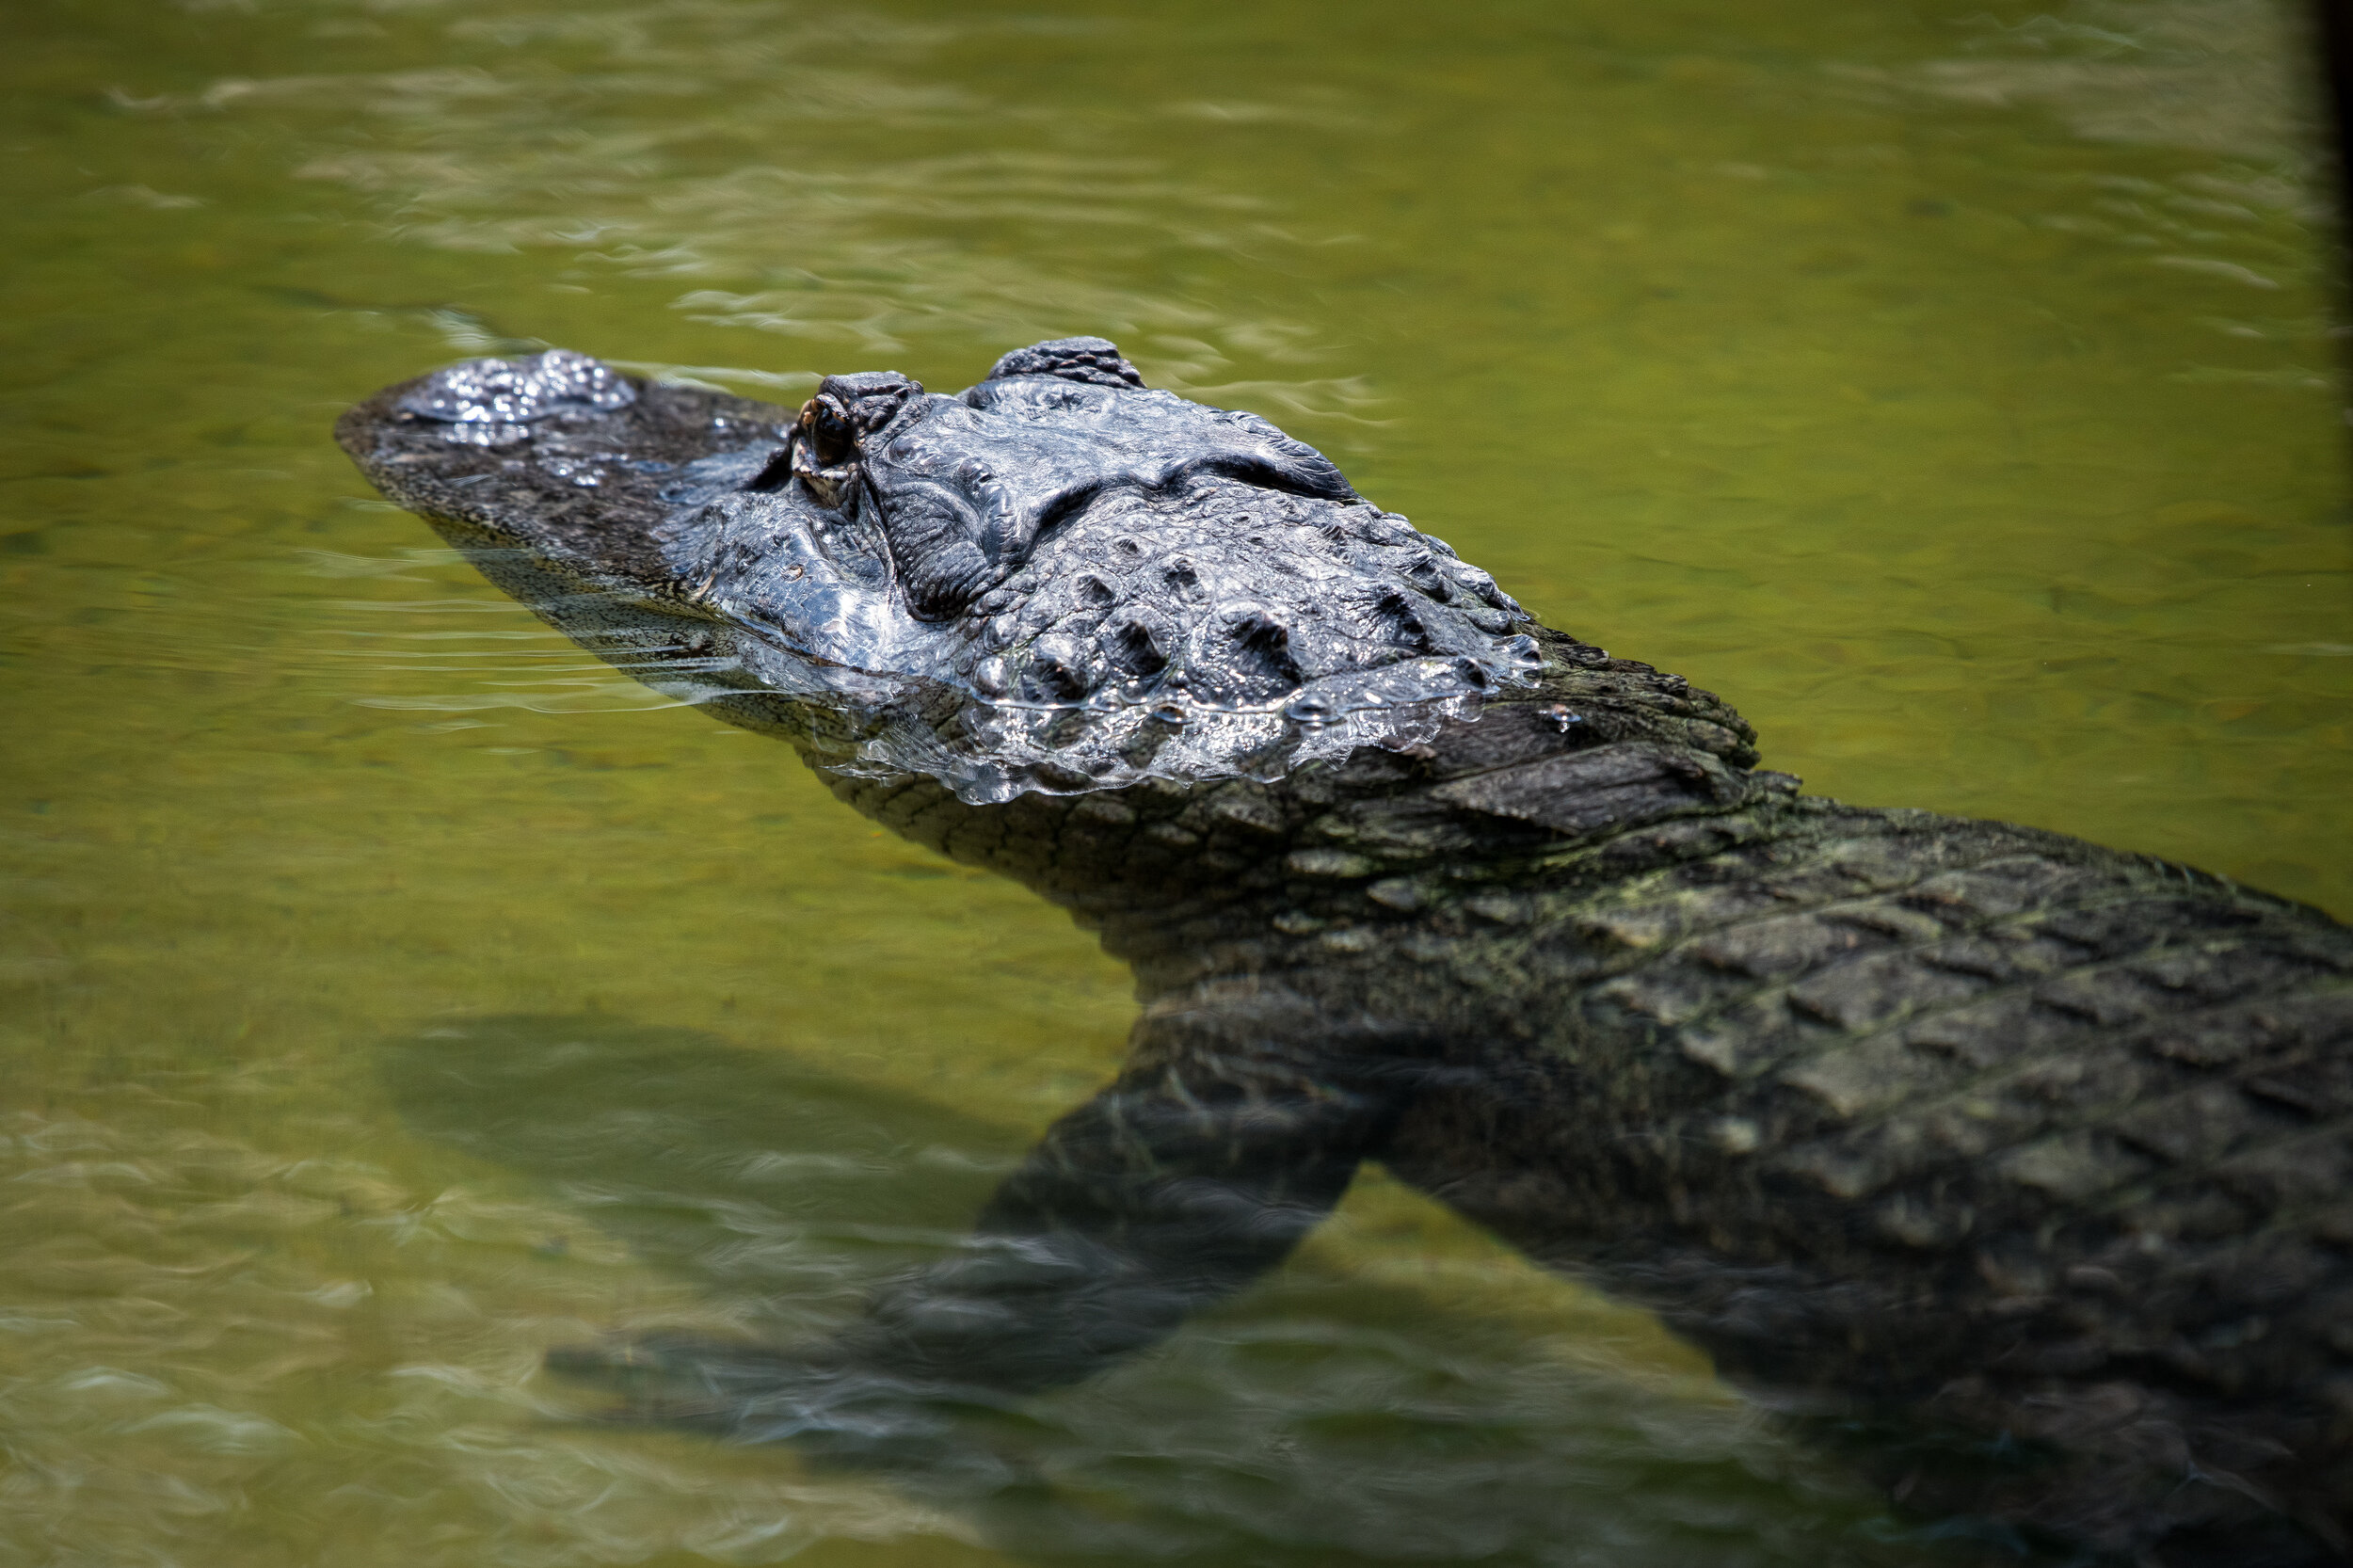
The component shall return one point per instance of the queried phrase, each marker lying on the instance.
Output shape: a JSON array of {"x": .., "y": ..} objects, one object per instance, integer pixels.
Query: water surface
[{"x": 389, "y": 992}]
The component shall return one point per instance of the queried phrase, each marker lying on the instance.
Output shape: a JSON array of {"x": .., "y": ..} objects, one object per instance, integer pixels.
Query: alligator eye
[
  {"x": 825, "y": 424},
  {"x": 825, "y": 439}
]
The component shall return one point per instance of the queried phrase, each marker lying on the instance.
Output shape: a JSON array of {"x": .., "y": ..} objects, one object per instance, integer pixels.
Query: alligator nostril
[{"x": 1096, "y": 591}]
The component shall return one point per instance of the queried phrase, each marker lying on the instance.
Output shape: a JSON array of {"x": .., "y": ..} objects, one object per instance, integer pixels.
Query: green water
[{"x": 389, "y": 992}]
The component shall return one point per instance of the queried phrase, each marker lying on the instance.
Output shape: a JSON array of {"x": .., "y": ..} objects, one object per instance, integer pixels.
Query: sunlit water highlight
[{"x": 391, "y": 992}]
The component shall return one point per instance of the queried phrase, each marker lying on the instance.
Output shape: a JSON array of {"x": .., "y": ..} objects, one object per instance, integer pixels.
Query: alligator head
[{"x": 1057, "y": 579}]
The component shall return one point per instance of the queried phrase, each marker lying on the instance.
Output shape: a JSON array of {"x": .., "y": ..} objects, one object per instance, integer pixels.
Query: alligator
[{"x": 2032, "y": 1158}]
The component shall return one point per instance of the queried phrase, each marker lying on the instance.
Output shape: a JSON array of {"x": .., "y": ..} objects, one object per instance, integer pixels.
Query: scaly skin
[{"x": 1970, "y": 1134}]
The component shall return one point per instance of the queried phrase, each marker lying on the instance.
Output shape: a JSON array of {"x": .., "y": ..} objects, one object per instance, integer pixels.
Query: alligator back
[{"x": 2049, "y": 1144}]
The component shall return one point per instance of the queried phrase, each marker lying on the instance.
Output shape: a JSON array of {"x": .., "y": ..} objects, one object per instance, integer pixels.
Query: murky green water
[{"x": 389, "y": 992}]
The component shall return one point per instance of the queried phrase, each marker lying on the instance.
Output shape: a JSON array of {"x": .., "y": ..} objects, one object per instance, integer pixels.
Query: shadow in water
[
  {"x": 1323, "y": 1418},
  {"x": 745, "y": 1170}
]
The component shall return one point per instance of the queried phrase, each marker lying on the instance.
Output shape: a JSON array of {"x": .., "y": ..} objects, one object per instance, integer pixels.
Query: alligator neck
[{"x": 1234, "y": 876}]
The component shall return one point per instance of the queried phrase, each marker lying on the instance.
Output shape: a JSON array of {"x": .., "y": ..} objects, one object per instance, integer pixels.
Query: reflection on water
[
  {"x": 1948, "y": 385},
  {"x": 1344, "y": 1412}
]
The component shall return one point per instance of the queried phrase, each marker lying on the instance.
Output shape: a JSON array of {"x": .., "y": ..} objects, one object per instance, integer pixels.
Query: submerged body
[{"x": 2023, "y": 1147}]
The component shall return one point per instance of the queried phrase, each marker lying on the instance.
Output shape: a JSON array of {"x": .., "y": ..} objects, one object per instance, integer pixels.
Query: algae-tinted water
[{"x": 390, "y": 993}]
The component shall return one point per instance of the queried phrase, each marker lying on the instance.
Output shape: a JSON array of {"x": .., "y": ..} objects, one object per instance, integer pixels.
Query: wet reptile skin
[{"x": 1985, "y": 1138}]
